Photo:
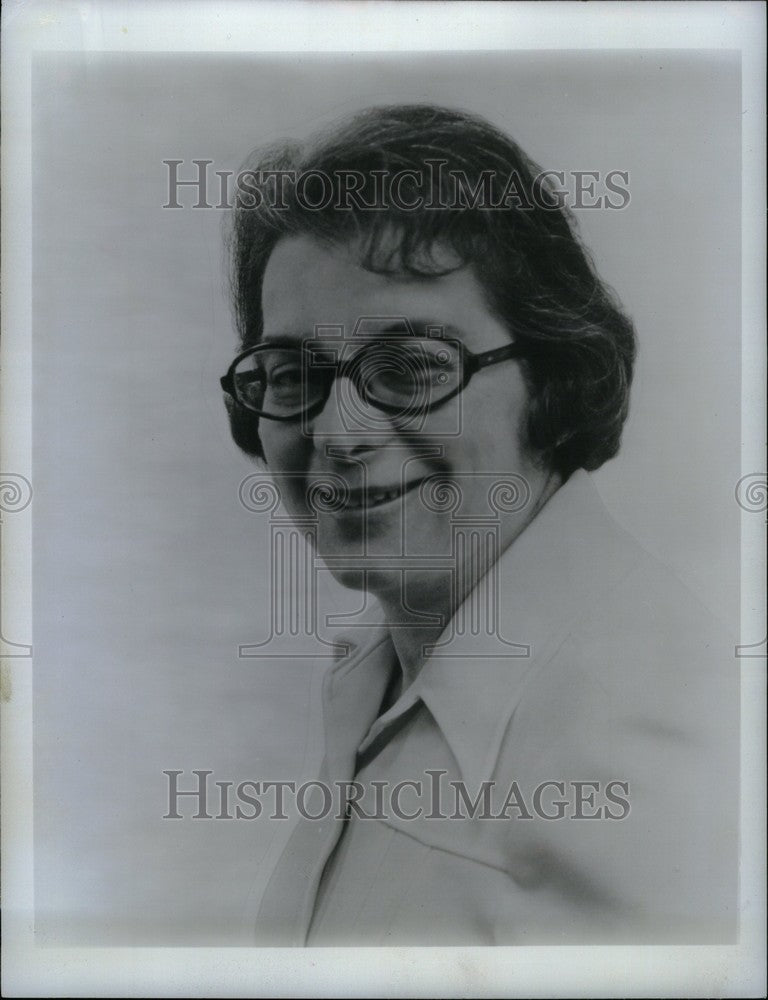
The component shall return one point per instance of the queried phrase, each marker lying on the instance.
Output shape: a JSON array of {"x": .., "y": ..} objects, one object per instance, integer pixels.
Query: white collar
[{"x": 562, "y": 564}]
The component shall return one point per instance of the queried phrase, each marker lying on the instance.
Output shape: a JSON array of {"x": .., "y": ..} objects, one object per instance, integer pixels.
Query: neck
[{"x": 419, "y": 606}]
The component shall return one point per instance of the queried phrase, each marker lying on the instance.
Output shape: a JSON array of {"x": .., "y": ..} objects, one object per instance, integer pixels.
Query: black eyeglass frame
[{"x": 350, "y": 368}]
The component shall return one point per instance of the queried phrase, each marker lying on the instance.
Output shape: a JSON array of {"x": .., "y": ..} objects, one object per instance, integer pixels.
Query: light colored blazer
[{"x": 624, "y": 697}]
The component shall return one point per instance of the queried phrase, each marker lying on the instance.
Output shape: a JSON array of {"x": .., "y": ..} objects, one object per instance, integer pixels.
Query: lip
[{"x": 376, "y": 497}]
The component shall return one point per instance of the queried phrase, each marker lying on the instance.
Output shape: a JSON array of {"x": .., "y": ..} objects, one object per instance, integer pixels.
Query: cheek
[
  {"x": 286, "y": 449},
  {"x": 493, "y": 425},
  {"x": 512, "y": 417},
  {"x": 287, "y": 458}
]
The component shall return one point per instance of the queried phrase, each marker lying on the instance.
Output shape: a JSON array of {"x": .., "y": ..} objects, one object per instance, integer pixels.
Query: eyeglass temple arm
[{"x": 491, "y": 357}]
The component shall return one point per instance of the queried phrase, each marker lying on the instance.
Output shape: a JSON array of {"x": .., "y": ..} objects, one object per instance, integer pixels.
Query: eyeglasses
[{"x": 403, "y": 376}]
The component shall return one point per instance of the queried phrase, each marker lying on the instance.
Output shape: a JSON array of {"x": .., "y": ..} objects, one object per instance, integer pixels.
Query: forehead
[{"x": 308, "y": 283}]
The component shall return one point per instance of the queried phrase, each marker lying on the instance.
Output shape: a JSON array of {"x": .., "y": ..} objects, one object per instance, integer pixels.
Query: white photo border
[{"x": 224, "y": 26}]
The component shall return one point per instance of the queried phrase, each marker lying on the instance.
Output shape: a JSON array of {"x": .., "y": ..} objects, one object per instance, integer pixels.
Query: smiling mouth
[{"x": 375, "y": 497}]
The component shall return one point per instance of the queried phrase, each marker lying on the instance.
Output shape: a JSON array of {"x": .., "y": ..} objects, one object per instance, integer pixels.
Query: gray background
[{"x": 148, "y": 572}]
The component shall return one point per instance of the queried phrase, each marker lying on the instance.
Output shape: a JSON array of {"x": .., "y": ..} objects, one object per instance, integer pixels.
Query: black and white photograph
[{"x": 383, "y": 499}]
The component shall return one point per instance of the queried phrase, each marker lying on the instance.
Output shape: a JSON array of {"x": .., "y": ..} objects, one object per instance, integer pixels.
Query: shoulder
[
  {"x": 642, "y": 657},
  {"x": 641, "y": 697},
  {"x": 616, "y": 635}
]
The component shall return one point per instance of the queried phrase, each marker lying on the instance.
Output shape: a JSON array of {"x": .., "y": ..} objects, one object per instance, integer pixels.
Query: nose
[{"x": 348, "y": 422}]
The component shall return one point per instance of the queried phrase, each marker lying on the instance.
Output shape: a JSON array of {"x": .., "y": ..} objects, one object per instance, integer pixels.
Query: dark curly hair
[{"x": 538, "y": 277}]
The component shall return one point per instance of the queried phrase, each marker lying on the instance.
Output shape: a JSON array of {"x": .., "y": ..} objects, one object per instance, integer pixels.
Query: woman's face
[{"x": 473, "y": 440}]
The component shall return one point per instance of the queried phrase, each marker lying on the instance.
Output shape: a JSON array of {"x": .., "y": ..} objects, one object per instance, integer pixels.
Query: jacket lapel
[{"x": 352, "y": 694}]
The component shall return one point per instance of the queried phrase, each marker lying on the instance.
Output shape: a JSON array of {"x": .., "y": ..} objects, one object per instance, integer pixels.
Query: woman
[{"x": 425, "y": 341}]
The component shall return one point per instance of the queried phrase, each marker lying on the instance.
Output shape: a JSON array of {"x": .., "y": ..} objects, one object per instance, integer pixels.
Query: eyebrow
[
  {"x": 285, "y": 339},
  {"x": 423, "y": 327},
  {"x": 414, "y": 327}
]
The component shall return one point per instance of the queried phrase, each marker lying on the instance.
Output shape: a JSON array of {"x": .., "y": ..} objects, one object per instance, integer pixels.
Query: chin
[
  {"x": 377, "y": 582},
  {"x": 351, "y": 579}
]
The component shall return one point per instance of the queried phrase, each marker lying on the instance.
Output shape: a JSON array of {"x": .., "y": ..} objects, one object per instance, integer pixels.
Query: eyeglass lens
[{"x": 399, "y": 375}]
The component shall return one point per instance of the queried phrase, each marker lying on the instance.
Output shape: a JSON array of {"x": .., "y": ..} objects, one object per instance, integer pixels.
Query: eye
[{"x": 284, "y": 376}]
